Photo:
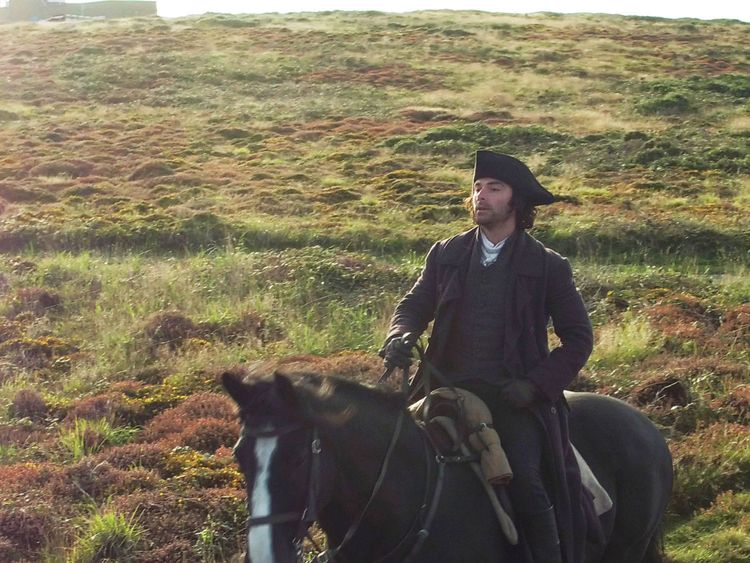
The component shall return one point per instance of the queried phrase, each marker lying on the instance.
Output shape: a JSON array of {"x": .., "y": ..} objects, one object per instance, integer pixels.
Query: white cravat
[{"x": 490, "y": 251}]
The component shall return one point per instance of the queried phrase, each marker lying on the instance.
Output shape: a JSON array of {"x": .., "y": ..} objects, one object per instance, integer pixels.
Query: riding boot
[{"x": 542, "y": 537}]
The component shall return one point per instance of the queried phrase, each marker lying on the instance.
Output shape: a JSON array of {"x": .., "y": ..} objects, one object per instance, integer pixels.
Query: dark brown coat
[{"x": 540, "y": 289}]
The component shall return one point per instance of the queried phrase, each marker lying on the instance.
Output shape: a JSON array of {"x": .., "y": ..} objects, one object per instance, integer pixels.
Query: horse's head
[{"x": 288, "y": 479}]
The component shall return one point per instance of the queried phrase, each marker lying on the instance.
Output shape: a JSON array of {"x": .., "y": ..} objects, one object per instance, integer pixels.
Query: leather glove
[
  {"x": 520, "y": 393},
  {"x": 396, "y": 353}
]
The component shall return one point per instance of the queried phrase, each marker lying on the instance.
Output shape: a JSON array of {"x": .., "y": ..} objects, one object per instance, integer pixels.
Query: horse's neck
[{"x": 394, "y": 507}]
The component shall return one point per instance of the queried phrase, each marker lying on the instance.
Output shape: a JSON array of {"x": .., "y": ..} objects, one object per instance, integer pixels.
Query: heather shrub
[
  {"x": 208, "y": 405},
  {"x": 708, "y": 463},
  {"x": 36, "y": 353},
  {"x": 30, "y": 439},
  {"x": 113, "y": 406},
  {"x": 171, "y": 518},
  {"x": 191, "y": 468},
  {"x": 169, "y": 327},
  {"x": 97, "y": 481},
  {"x": 27, "y": 403},
  {"x": 204, "y": 420},
  {"x": 209, "y": 434},
  {"x": 146, "y": 456},
  {"x": 734, "y": 406},
  {"x": 176, "y": 550},
  {"x": 10, "y": 329},
  {"x": 24, "y": 529},
  {"x": 26, "y": 477}
]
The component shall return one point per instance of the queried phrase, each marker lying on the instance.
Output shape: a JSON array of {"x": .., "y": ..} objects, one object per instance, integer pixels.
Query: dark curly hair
[{"x": 525, "y": 212}]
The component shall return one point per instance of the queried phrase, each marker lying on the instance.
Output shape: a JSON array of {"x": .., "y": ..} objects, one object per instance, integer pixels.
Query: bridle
[{"x": 309, "y": 514}]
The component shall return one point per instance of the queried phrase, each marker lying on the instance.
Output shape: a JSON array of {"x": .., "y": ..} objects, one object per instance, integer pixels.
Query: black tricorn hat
[{"x": 512, "y": 171}]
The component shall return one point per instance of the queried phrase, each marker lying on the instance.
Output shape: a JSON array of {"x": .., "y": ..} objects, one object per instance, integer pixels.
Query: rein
[{"x": 422, "y": 521}]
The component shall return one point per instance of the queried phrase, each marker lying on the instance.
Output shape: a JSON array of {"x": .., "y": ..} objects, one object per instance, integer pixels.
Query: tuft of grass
[
  {"x": 624, "y": 342},
  {"x": 86, "y": 437},
  {"x": 107, "y": 536}
]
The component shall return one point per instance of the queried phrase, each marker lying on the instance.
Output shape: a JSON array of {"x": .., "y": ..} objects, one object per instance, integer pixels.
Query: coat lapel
[
  {"x": 526, "y": 267},
  {"x": 454, "y": 265},
  {"x": 455, "y": 262}
]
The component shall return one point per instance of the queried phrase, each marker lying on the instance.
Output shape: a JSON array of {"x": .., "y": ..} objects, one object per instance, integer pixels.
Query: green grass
[
  {"x": 719, "y": 533},
  {"x": 625, "y": 342},
  {"x": 86, "y": 437},
  {"x": 107, "y": 536}
]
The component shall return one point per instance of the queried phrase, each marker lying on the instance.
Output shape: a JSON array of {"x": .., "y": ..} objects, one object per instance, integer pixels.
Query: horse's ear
[
  {"x": 285, "y": 390},
  {"x": 237, "y": 389}
]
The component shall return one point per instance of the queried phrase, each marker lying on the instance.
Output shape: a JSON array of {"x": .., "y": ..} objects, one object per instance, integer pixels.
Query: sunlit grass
[
  {"x": 86, "y": 437},
  {"x": 107, "y": 536},
  {"x": 624, "y": 343}
]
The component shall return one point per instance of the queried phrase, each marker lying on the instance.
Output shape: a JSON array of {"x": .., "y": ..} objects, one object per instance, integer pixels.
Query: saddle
[{"x": 460, "y": 424}]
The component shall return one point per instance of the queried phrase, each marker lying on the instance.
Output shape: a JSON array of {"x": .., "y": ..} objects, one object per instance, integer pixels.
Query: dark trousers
[{"x": 523, "y": 440}]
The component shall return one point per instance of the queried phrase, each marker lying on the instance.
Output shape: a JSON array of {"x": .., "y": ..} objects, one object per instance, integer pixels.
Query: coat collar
[{"x": 527, "y": 258}]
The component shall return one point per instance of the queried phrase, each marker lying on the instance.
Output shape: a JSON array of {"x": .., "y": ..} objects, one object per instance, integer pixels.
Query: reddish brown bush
[
  {"x": 146, "y": 456},
  {"x": 736, "y": 324},
  {"x": 359, "y": 366},
  {"x": 250, "y": 325},
  {"x": 209, "y": 434},
  {"x": 24, "y": 477},
  {"x": 72, "y": 168},
  {"x": 151, "y": 169},
  {"x": 735, "y": 406},
  {"x": 25, "y": 529},
  {"x": 112, "y": 406},
  {"x": 27, "y": 403},
  {"x": 20, "y": 435},
  {"x": 87, "y": 479},
  {"x": 36, "y": 300},
  {"x": 36, "y": 353},
  {"x": 8, "y": 551},
  {"x": 170, "y": 327},
  {"x": 203, "y": 405},
  {"x": 129, "y": 388},
  {"x": 177, "y": 420},
  {"x": 685, "y": 317},
  {"x": 171, "y": 517}
]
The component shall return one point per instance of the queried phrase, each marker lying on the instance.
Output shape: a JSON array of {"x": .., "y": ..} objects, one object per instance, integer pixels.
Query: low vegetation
[{"x": 179, "y": 198}]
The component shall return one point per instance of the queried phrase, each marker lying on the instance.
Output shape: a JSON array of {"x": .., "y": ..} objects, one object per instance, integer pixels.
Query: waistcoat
[{"x": 475, "y": 346}]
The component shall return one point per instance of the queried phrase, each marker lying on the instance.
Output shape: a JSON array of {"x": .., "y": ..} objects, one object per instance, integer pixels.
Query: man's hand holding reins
[{"x": 397, "y": 352}]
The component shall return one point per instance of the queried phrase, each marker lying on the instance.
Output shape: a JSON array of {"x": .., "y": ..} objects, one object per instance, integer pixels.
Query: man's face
[{"x": 491, "y": 203}]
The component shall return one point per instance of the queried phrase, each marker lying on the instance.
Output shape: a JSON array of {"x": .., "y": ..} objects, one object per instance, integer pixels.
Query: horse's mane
[{"x": 336, "y": 394}]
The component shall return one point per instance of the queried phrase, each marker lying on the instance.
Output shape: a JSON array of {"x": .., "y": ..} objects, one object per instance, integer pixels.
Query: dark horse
[{"x": 348, "y": 457}]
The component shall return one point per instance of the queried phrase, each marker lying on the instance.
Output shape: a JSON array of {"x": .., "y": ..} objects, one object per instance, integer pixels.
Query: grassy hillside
[{"x": 183, "y": 197}]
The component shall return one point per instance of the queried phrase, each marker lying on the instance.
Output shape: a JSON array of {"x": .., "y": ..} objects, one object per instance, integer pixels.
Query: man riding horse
[{"x": 491, "y": 292}]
